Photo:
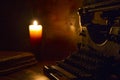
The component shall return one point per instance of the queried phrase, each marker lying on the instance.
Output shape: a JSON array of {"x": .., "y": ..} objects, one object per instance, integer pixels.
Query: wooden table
[{"x": 34, "y": 72}]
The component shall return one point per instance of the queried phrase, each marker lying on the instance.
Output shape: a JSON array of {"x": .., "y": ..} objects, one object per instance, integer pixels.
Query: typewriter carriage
[{"x": 99, "y": 19}]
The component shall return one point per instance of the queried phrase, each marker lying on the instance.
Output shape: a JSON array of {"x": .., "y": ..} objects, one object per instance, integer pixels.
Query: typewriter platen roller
[{"x": 98, "y": 55}]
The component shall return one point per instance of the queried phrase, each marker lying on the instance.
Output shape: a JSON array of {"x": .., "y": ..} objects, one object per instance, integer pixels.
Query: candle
[{"x": 35, "y": 32}]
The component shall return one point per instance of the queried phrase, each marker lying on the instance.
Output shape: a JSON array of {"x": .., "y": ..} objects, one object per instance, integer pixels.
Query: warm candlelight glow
[
  {"x": 35, "y": 32},
  {"x": 35, "y": 22}
]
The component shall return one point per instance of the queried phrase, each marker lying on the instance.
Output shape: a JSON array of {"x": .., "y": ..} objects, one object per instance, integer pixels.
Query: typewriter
[{"x": 98, "y": 54}]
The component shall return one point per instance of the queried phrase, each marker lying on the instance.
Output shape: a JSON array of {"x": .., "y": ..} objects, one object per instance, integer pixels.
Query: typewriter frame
[{"x": 108, "y": 46}]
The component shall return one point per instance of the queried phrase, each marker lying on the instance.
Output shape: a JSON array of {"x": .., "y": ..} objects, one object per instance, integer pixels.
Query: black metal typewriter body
[{"x": 98, "y": 55}]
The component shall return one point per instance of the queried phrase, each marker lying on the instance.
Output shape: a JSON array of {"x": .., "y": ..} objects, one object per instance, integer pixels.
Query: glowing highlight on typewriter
[{"x": 35, "y": 32}]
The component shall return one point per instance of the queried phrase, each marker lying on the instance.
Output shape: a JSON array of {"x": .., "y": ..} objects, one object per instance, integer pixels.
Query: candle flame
[
  {"x": 35, "y": 22},
  {"x": 35, "y": 26},
  {"x": 35, "y": 30}
]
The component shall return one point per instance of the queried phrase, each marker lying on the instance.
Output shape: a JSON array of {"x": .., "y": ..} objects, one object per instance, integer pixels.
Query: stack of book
[{"x": 11, "y": 61}]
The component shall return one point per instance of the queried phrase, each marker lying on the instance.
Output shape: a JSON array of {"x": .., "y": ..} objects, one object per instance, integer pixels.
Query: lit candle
[{"x": 35, "y": 32}]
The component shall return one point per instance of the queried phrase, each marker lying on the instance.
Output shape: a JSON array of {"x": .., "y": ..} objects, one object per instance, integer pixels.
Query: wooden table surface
[{"x": 34, "y": 72}]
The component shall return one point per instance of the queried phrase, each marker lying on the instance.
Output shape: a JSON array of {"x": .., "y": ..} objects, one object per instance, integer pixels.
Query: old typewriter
[{"x": 98, "y": 54}]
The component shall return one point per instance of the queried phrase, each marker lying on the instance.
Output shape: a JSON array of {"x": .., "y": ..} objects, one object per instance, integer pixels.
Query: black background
[{"x": 15, "y": 16}]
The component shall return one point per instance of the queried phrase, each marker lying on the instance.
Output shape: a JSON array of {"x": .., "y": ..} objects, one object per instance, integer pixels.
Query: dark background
[
  {"x": 14, "y": 19},
  {"x": 59, "y": 19}
]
